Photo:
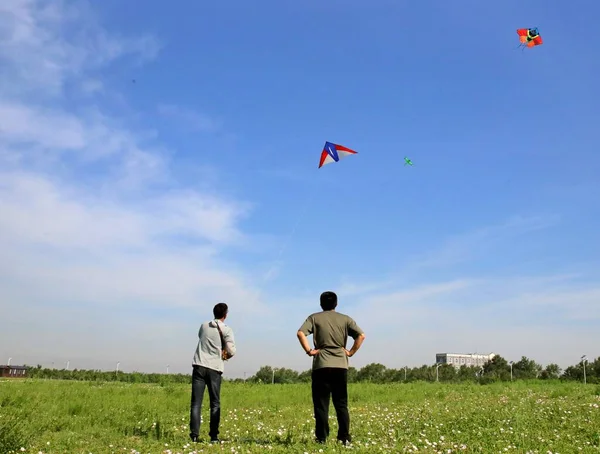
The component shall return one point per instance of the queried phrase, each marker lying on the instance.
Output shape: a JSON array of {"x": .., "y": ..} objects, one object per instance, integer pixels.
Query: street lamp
[
  {"x": 511, "y": 376},
  {"x": 437, "y": 374},
  {"x": 117, "y": 371},
  {"x": 167, "y": 369},
  {"x": 8, "y": 364},
  {"x": 404, "y": 373},
  {"x": 273, "y": 375},
  {"x": 584, "y": 360},
  {"x": 68, "y": 362}
]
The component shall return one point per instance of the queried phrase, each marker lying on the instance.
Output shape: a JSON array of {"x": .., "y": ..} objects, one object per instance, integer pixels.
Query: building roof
[
  {"x": 467, "y": 354},
  {"x": 14, "y": 367}
]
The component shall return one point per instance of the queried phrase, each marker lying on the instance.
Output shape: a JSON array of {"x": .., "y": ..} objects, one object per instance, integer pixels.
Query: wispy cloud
[
  {"x": 503, "y": 314},
  {"x": 465, "y": 246},
  {"x": 45, "y": 44},
  {"x": 190, "y": 119}
]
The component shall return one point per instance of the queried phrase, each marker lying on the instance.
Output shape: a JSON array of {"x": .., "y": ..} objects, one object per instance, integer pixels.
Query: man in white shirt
[{"x": 215, "y": 345}]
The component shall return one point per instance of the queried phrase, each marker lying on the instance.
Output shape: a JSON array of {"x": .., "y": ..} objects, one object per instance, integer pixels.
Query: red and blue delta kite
[
  {"x": 333, "y": 153},
  {"x": 529, "y": 37}
]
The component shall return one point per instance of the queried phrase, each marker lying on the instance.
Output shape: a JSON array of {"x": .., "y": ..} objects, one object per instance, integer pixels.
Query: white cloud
[
  {"x": 44, "y": 44},
  {"x": 548, "y": 318},
  {"x": 85, "y": 234}
]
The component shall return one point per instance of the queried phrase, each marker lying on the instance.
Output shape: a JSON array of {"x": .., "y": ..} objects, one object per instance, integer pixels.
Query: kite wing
[
  {"x": 535, "y": 41},
  {"x": 523, "y": 33},
  {"x": 333, "y": 153}
]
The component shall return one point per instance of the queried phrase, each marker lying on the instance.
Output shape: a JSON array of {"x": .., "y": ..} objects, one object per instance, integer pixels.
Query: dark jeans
[
  {"x": 332, "y": 382},
  {"x": 211, "y": 379}
]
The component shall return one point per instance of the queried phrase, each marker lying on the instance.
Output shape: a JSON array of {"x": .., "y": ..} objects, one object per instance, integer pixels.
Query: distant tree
[
  {"x": 574, "y": 373},
  {"x": 526, "y": 369},
  {"x": 496, "y": 369},
  {"x": 305, "y": 377},
  {"x": 284, "y": 375},
  {"x": 551, "y": 372},
  {"x": 467, "y": 373},
  {"x": 372, "y": 372},
  {"x": 352, "y": 375},
  {"x": 447, "y": 372},
  {"x": 264, "y": 375}
]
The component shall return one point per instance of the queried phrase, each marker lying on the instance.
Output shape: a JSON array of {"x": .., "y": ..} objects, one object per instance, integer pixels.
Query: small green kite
[{"x": 407, "y": 162}]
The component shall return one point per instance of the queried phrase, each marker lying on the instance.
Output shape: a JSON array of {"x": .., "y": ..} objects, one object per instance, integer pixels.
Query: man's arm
[
  {"x": 357, "y": 334},
  {"x": 229, "y": 342},
  {"x": 305, "y": 345},
  {"x": 358, "y": 340}
]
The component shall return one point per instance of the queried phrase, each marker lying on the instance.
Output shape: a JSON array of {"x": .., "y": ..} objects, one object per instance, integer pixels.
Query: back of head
[
  {"x": 220, "y": 310},
  {"x": 328, "y": 301}
]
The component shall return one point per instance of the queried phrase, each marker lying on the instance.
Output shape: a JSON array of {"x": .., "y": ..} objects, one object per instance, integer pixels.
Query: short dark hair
[
  {"x": 328, "y": 301},
  {"x": 220, "y": 310}
]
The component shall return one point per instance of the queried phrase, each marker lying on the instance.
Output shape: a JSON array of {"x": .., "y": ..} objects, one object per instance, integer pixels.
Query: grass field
[{"x": 87, "y": 417}]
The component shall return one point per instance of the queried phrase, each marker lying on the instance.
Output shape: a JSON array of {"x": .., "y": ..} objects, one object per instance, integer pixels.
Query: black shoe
[
  {"x": 194, "y": 438},
  {"x": 320, "y": 441},
  {"x": 346, "y": 441},
  {"x": 215, "y": 440}
]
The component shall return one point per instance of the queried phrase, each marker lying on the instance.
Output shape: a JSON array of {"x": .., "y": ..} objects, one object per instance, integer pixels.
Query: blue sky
[{"x": 157, "y": 159}]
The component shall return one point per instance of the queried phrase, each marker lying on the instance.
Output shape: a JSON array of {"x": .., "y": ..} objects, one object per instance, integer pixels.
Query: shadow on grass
[{"x": 263, "y": 441}]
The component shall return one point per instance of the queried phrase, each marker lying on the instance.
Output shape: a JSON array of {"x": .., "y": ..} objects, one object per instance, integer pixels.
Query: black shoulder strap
[{"x": 221, "y": 335}]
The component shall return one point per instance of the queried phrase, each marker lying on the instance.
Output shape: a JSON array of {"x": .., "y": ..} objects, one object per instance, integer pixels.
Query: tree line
[{"x": 497, "y": 369}]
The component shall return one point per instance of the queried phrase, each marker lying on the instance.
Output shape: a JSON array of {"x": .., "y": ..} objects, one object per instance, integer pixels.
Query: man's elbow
[
  {"x": 361, "y": 336},
  {"x": 300, "y": 334}
]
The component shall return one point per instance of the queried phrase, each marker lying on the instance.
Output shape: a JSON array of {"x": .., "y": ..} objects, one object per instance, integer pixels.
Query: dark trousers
[
  {"x": 211, "y": 379},
  {"x": 332, "y": 382}
]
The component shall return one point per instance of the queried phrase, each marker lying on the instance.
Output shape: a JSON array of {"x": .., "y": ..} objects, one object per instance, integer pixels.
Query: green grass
[{"x": 87, "y": 417}]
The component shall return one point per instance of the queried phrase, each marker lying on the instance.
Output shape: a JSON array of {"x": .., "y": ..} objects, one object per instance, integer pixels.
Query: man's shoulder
[{"x": 333, "y": 314}]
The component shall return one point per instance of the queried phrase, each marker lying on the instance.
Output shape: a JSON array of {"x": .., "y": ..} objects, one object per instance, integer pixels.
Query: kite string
[{"x": 301, "y": 215}]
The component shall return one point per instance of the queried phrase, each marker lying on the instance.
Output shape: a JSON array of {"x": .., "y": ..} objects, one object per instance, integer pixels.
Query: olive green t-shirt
[{"x": 330, "y": 332}]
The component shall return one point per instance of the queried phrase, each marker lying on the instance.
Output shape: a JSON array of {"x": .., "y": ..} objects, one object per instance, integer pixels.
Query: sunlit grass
[{"x": 88, "y": 417}]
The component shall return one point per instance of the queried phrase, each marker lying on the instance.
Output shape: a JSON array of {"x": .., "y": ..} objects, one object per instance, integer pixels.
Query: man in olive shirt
[{"x": 330, "y": 330}]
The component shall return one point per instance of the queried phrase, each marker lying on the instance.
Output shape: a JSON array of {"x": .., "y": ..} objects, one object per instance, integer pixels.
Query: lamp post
[
  {"x": 511, "y": 375},
  {"x": 273, "y": 376},
  {"x": 437, "y": 374},
  {"x": 584, "y": 360},
  {"x": 117, "y": 371},
  {"x": 68, "y": 362},
  {"x": 8, "y": 364},
  {"x": 404, "y": 373},
  {"x": 167, "y": 369}
]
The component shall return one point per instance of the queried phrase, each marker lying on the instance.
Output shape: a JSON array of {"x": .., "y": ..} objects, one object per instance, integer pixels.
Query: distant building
[
  {"x": 463, "y": 359},
  {"x": 13, "y": 371}
]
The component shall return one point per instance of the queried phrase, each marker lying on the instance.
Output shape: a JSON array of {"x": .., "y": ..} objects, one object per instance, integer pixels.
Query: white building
[{"x": 463, "y": 359}]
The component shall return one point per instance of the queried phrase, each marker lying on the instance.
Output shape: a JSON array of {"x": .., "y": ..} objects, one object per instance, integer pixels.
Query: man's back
[
  {"x": 330, "y": 330},
  {"x": 208, "y": 351}
]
